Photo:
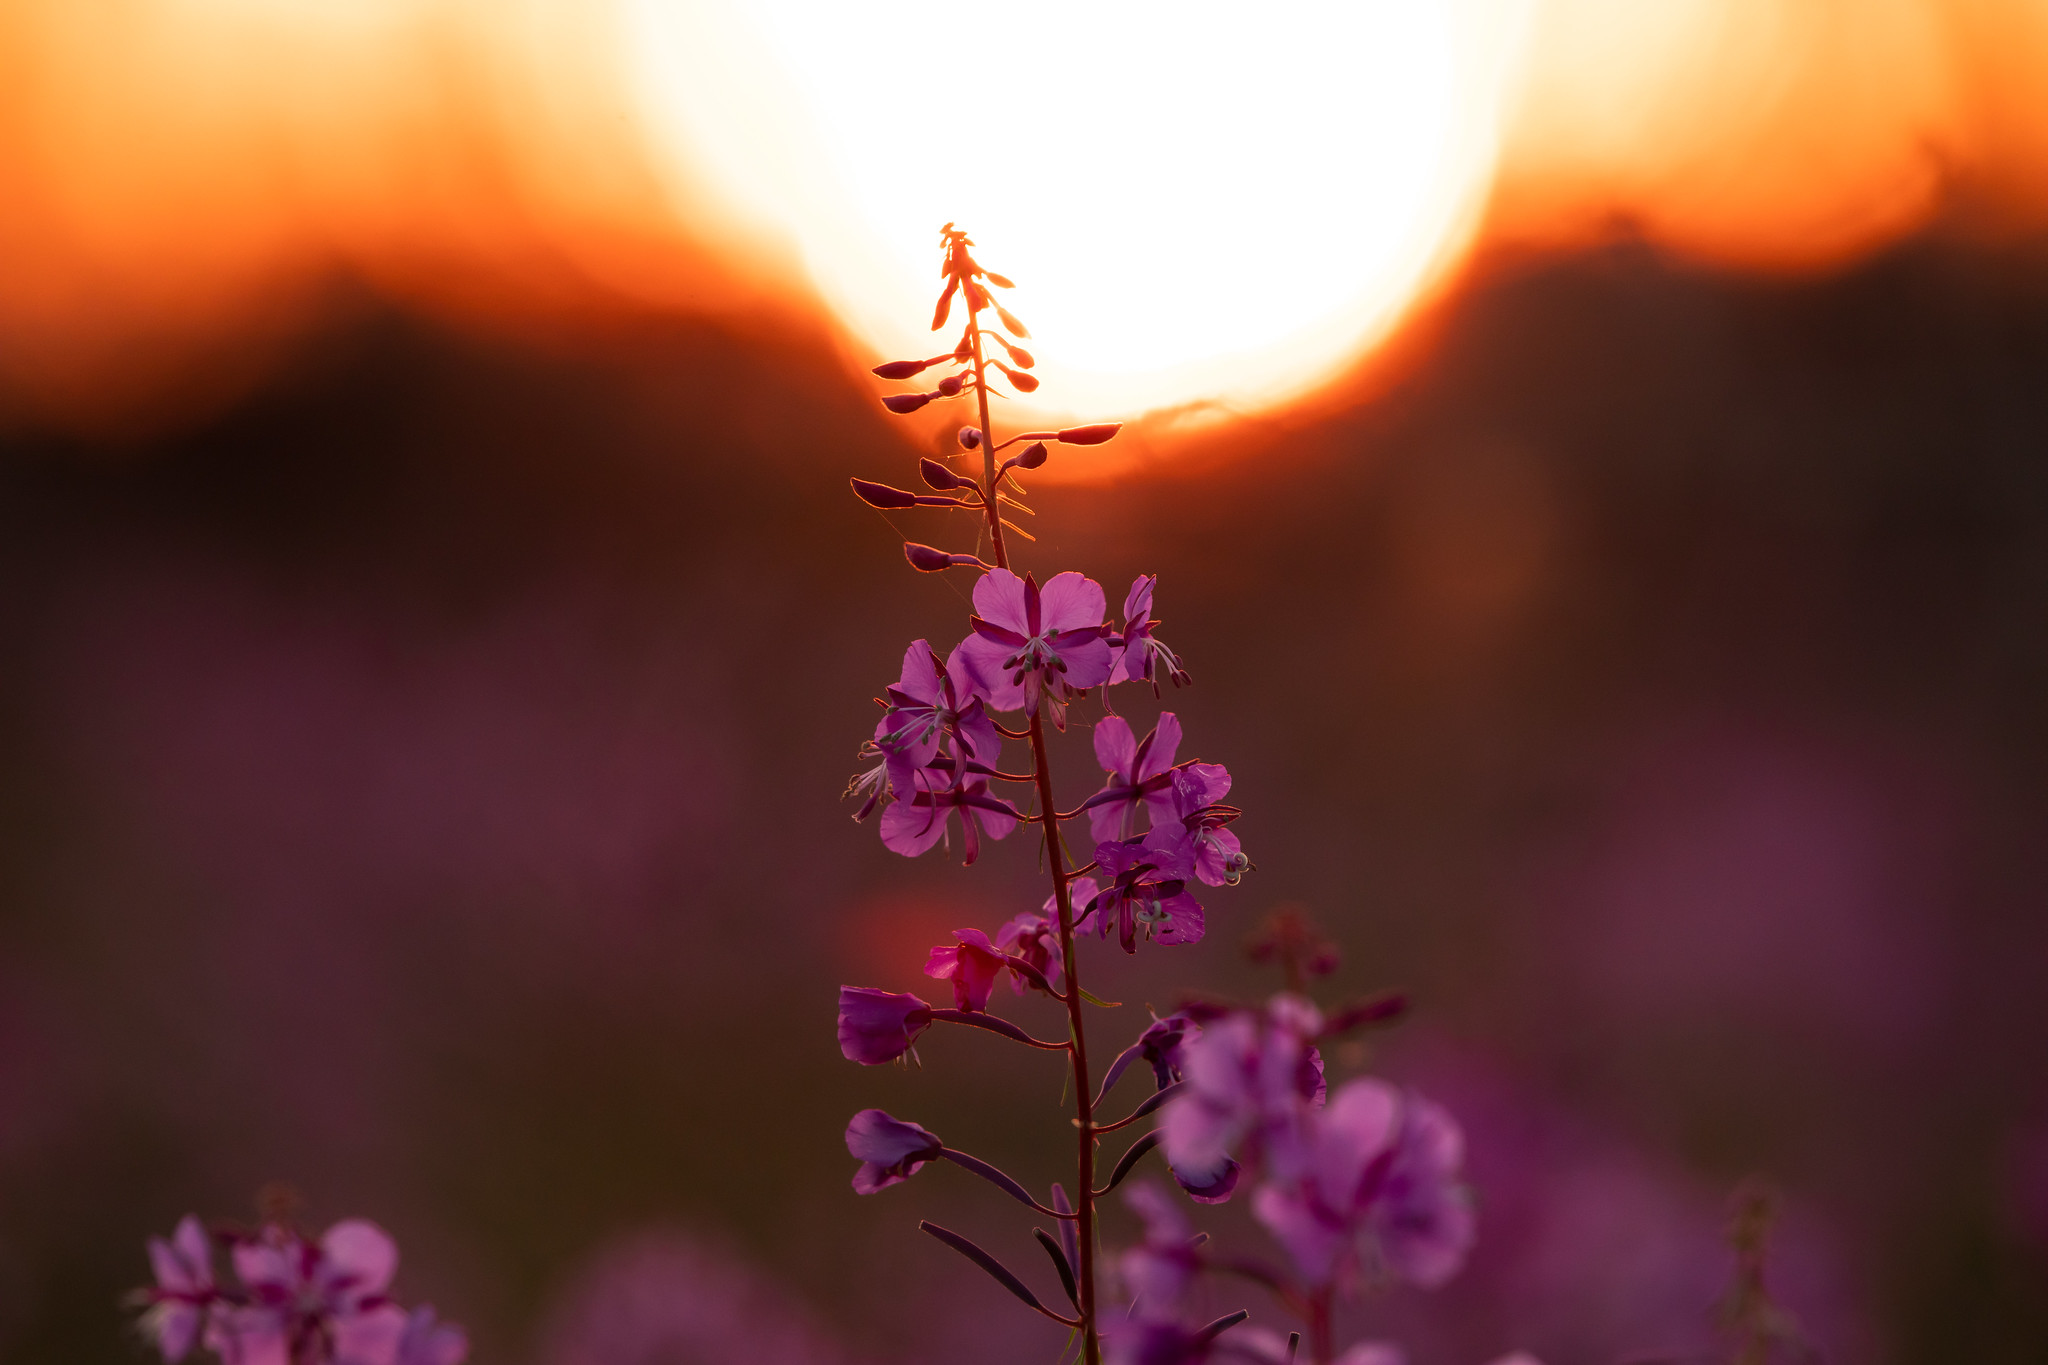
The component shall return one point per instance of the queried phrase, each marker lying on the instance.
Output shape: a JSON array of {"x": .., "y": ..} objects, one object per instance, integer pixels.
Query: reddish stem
[{"x": 1055, "y": 857}]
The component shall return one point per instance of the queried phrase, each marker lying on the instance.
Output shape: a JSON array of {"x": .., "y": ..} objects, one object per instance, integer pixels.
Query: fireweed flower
[
  {"x": 879, "y": 1026},
  {"x": 1148, "y": 887},
  {"x": 1378, "y": 1191},
  {"x": 934, "y": 703},
  {"x": 1198, "y": 792},
  {"x": 1250, "y": 1080},
  {"x": 1031, "y": 644},
  {"x": 184, "y": 1290},
  {"x": 971, "y": 964},
  {"x": 1141, "y": 776},
  {"x": 918, "y": 818},
  {"x": 321, "y": 1301},
  {"x": 888, "y": 1149},
  {"x": 1161, "y": 1046},
  {"x": 1036, "y": 940},
  {"x": 1139, "y": 653}
]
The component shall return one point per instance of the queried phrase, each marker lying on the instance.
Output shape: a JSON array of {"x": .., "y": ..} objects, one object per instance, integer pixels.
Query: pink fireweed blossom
[
  {"x": 1147, "y": 887},
  {"x": 1031, "y": 645},
  {"x": 889, "y": 1150},
  {"x": 1161, "y": 1045},
  {"x": 919, "y": 817},
  {"x": 1250, "y": 1082},
  {"x": 1036, "y": 940},
  {"x": 1141, "y": 776},
  {"x": 971, "y": 964},
  {"x": 932, "y": 704},
  {"x": 879, "y": 1026},
  {"x": 1198, "y": 792},
  {"x": 309, "y": 1301},
  {"x": 1139, "y": 653},
  {"x": 1378, "y": 1191},
  {"x": 184, "y": 1292}
]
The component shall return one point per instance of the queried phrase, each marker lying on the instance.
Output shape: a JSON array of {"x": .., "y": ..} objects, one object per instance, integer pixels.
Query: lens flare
[{"x": 1202, "y": 203}]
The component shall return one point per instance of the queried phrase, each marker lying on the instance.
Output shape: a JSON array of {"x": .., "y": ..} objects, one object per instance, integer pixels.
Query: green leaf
[{"x": 1089, "y": 996}]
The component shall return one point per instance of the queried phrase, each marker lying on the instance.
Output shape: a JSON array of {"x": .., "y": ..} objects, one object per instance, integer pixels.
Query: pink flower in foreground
[
  {"x": 1140, "y": 777},
  {"x": 1148, "y": 888},
  {"x": 919, "y": 818},
  {"x": 1251, "y": 1081},
  {"x": 1031, "y": 644},
  {"x": 879, "y": 1026},
  {"x": 889, "y": 1150},
  {"x": 322, "y": 1301},
  {"x": 428, "y": 1341},
  {"x": 1379, "y": 1190},
  {"x": 934, "y": 704},
  {"x": 971, "y": 964},
  {"x": 1139, "y": 653},
  {"x": 184, "y": 1288}
]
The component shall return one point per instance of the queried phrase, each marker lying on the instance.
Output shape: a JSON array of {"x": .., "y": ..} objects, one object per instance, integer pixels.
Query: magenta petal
[
  {"x": 248, "y": 1336},
  {"x": 910, "y": 828},
  {"x": 1068, "y": 601},
  {"x": 1165, "y": 744},
  {"x": 999, "y": 599},
  {"x": 174, "y": 1326},
  {"x": 879, "y": 1026},
  {"x": 888, "y": 1149},
  {"x": 1115, "y": 747},
  {"x": 1312, "y": 1242},
  {"x": 918, "y": 681},
  {"x": 267, "y": 1267},
  {"x": 369, "y": 1338},
  {"x": 983, "y": 662},
  {"x": 1138, "y": 601},
  {"x": 358, "y": 1258},
  {"x": 1087, "y": 664}
]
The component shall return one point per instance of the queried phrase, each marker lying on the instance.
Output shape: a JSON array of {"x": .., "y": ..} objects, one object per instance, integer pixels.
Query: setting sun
[{"x": 1200, "y": 204}]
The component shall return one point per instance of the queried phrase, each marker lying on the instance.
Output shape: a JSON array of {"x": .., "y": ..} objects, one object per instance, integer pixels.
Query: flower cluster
[
  {"x": 294, "y": 1300},
  {"x": 1359, "y": 1186}
]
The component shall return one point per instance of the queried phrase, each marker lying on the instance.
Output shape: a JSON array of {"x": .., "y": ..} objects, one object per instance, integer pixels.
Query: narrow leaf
[
  {"x": 996, "y": 1270},
  {"x": 994, "y": 1024},
  {"x": 1059, "y": 1263},
  {"x": 999, "y": 281},
  {"x": 1070, "y": 1239},
  {"x": 1106, "y": 1004},
  {"x": 1158, "y": 1098},
  {"x": 992, "y": 1175},
  {"x": 1130, "y": 1159},
  {"x": 945, "y": 308}
]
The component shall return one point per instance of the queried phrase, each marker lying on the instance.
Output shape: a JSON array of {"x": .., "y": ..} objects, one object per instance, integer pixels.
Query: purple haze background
[{"x": 419, "y": 786}]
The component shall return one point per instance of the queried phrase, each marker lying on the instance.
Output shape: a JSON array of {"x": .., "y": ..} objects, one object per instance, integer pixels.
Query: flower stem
[{"x": 1055, "y": 857}]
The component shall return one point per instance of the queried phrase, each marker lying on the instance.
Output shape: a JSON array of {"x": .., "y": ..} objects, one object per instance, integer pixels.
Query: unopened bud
[
  {"x": 900, "y": 403},
  {"x": 925, "y": 559},
  {"x": 1033, "y": 456},
  {"x": 949, "y": 387},
  {"x": 945, "y": 306},
  {"x": 900, "y": 369},
  {"x": 882, "y": 495},
  {"x": 970, "y": 438},
  {"x": 1025, "y": 382},
  {"x": 999, "y": 281},
  {"x": 1017, "y": 329},
  {"x": 938, "y": 476},
  {"x": 1090, "y": 435},
  {"x": 1019, "y": 357}
]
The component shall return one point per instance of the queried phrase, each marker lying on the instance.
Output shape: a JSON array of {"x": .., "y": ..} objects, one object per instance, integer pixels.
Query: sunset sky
[{"x": 1592, "y": 451}]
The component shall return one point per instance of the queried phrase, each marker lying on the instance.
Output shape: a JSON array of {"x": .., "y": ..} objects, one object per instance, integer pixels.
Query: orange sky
[{"x": 177, "y": 175}]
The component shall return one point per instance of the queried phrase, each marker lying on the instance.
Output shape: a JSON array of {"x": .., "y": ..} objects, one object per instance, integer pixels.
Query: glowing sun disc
[{"x": 1199, "y": 202}]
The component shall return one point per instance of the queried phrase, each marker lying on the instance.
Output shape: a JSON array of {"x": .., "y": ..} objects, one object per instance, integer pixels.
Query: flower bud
[
  {"x": 949, "y": 387},
  {"x": 882, "y": 496},
  {"x": 1091, "y": 435},
  {"x": 945, "y": 308},
  {"x": 938, "y": 476},
  {"x": 999, "y": 281},
  {"x": 1025, "y": 382},
  {"x": 925, "y": 559},
  {"x": 970, "y": 438},
  {"x": 1033, "y": 456},
  {"x": 1017, "y": 329},
  {"x": 900, "y": 369},
  {"x": 900, "y": 403},
  {"x": 1019, "y": 357}
]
